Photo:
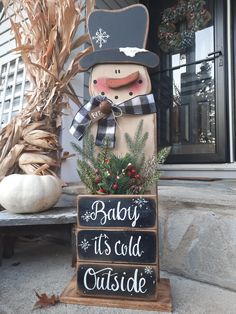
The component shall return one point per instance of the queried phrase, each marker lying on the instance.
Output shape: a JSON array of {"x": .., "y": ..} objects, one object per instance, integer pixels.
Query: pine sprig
[
  {"x": 87, "y": 151},
  {"x": 86, "y": 173},
  {"x": 162, "y": 155},
  {"x": 151, "y": 169},
  {"x": 151, "y": 174},
  {"x": 136, "y": 145},
  {"x": 104, "y": 153},
  {"x": 107, "y": 173}
]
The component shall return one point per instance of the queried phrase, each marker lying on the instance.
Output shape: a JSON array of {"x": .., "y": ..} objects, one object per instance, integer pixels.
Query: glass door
[{"x": 190, "y": 81}]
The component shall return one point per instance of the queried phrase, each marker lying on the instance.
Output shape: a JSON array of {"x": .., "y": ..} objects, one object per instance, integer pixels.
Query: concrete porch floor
[{"x": 45, "y": 266}]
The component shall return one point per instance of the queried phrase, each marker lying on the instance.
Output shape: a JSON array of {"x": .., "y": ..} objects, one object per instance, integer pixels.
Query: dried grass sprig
[{"x": 46, "y": 33}]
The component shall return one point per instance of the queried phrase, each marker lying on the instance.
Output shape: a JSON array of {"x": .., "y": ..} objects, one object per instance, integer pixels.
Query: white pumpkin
[{"x": 29, "y": 193}]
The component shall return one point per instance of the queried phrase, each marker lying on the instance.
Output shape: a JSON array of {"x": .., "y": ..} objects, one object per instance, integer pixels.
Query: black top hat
[{"x": 112, "y": 31}]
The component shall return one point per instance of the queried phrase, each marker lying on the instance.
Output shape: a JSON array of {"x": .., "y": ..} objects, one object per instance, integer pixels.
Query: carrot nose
[{"x": 122, "y": 81}]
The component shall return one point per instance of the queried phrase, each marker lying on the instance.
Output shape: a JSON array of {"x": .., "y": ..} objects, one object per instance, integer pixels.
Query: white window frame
[{"x": 12, "y": 76}]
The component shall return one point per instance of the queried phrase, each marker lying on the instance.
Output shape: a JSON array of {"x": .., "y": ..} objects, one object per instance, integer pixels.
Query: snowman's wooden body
[{"x": 101, "y": 79}]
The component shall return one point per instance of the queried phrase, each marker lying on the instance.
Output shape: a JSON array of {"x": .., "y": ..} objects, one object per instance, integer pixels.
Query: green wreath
[{"x": 190, "y": 12}]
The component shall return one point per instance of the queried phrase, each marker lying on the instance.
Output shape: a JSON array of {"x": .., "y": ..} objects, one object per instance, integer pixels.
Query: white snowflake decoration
[
  {"x": 140, "y": 202},
  {"x": 101, "y": 37},
  {"x": 85, "y": 244},
  {"x": 148, "y": 270},
  {"x": 86, "y": 216}
]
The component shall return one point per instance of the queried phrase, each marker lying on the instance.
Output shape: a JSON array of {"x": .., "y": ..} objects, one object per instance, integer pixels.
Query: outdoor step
[{"x": 198, "y": 230}]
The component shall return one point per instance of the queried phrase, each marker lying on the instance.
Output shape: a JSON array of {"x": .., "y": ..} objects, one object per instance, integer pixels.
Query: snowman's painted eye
[
  {"x": 116, "y": 97},
  {"x": 131, "y": 93},
  {"x": 140, "y": 81},
  {"x": 95, "y": 82},
  {"x": 102, "y": 93}
]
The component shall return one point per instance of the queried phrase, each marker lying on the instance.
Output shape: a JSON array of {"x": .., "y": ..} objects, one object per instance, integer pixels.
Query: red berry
[
  {"x": 133, "y": 171},
  {"x": 137, "y": 176},
  {"x": 129, "y": 173},
  {"x": 107, "y": 161},
  {"x": 130, "y": 167},
  {"x": 97, "y": 180},
  {"x": 115, "y": 186},
  {"x": 101, "y": 190}
]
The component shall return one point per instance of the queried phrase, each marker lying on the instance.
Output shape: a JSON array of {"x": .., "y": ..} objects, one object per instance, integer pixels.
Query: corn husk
[
  {"x": 33, "y": 158},
  {"x": 10, "y": 160},
  {"x": 45, "y": 37}
]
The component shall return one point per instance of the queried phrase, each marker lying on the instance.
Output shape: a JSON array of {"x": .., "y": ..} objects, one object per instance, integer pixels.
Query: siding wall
[{"x": 13, "y": 82}]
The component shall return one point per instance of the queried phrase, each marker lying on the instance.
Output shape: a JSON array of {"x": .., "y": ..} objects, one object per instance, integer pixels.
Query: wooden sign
[
  {"x": 138, "y": 282},
  {"x": 117, "y": 246},
  {"x": 117, "y": 234},
  {"x": 132, "y": 211}
]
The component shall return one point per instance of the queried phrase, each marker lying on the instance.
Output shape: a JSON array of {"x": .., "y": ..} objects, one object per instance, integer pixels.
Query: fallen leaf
[{"x": 44, "y": 300}]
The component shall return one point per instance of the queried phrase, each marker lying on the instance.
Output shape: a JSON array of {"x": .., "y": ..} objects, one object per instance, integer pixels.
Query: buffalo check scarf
[{"x": 106, "y": 126}]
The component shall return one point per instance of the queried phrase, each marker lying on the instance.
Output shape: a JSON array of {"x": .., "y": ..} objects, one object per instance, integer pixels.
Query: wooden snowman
[
  {"x": 119, "y": 82},
  {"x": 120, "y": 98}
]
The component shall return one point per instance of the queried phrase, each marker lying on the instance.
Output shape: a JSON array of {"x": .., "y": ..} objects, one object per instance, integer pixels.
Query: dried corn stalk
[{"x": 45, "y": 33}]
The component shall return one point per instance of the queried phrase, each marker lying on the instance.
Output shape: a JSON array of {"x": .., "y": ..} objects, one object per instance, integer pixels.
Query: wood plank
[
  {"x": 163, "y": 302},
  {"x": 134, "y": 211},
  {"x": 117, "y": 281},
  {"x": 36, "y": 229},
  {"x": 5, "y": 25},
  {"x": 6, "y": 37},
  {"x": 7, "y": 47},
  {"x": 117, "y": 246},
  {"x": 53, "y": 216},
  {"x": 100, "y": 4}
]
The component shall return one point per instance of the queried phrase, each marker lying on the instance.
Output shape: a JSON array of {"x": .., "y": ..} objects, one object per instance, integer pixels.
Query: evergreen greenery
[
  {"x": 179, "y": 24},
  {"x": 106, "y": 173}
]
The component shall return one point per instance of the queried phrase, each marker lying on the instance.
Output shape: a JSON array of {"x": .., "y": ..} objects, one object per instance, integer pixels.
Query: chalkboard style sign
[
  {"x": 117, "y": 246},
  {"x": 132, "y": 211},
  {"x": 138, "y": 282}
]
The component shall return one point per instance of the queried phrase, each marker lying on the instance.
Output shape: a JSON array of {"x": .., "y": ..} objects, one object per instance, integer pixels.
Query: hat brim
[{"x": 147, "y": 58}]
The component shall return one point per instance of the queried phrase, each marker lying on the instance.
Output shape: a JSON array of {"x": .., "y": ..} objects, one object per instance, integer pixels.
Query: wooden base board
[{"x": 162, "y": 304}]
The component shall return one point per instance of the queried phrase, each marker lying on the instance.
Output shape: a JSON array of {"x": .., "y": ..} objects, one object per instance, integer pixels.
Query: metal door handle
[
  {"x": 216, "y": 54},
  {"x": 210, "y": 57}
]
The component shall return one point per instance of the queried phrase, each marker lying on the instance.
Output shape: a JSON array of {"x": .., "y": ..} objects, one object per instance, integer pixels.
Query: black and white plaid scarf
[{"x": 106, "y": 126}]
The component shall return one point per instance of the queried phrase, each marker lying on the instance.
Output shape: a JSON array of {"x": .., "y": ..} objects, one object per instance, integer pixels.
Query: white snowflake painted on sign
[
  {"x": 140, "y": 202},
  {"x": 148, "y": 270},
  {"x": 101, "y": 37},
  {"x": 85, "y": 244},
  {"x": 86, "y": 216}
]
